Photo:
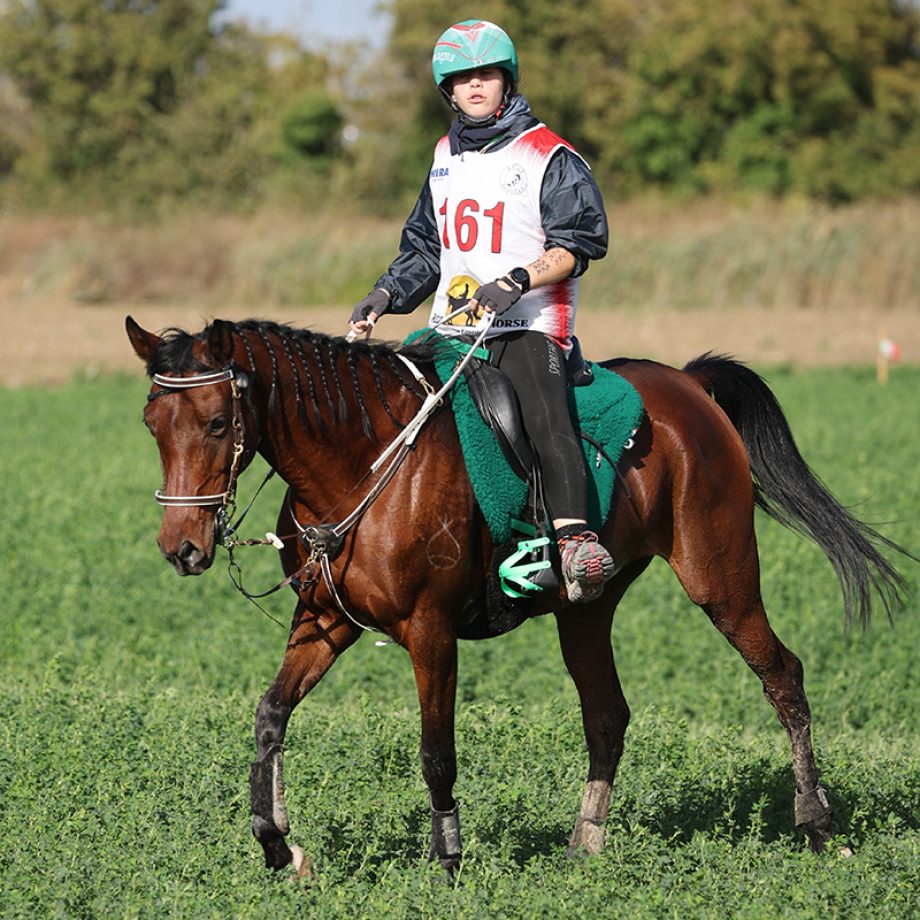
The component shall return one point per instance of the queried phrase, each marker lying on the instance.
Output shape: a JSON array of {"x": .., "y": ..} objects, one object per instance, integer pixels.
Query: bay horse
[{"x": 413, "y": 561}]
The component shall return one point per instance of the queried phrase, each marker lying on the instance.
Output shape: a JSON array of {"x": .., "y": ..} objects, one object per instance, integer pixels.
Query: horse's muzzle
[{"x": 188, "y": 559}]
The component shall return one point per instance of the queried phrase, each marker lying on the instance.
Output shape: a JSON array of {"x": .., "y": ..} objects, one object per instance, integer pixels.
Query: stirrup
[
  {"x": 527, "y": 572},
  {"x": 514, "y": 578}
]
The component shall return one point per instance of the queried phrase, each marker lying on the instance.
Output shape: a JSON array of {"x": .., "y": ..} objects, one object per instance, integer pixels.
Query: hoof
[
  {"x": 445, "y": 839},
  {"x": 576, "y": 852},
  {"x": 813, "y": 814},
  {"x": 587, "y": 838},
  {"x": 816, "y": 843},
  {"x": 580, "y": 851},
  {"x": 301, "y": 864},
  {"x": 819, "y": 833},
  {"x": 277, "y": 854},
  {"x": 450, "y": 864}
]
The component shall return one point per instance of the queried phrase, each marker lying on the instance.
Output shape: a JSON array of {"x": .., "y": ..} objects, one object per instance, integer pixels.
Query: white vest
[{"x": 487, "y": 209}]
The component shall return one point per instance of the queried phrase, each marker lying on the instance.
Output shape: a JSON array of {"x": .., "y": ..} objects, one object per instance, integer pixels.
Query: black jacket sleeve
[
  {"x": 573, "y": 210},
  {"x": 414, "y": 274}
]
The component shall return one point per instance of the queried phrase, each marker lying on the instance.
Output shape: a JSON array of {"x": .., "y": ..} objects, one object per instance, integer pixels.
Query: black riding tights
[{"x": 535, "y": 365}]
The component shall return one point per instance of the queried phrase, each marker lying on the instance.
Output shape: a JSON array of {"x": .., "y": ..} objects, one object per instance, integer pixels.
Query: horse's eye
[{"x": 217, "y": 425}]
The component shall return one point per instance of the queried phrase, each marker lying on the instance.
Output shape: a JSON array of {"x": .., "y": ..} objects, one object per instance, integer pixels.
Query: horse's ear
[
  {"x": 220, "y": 342},
  {"x": 144, "y": 343}
]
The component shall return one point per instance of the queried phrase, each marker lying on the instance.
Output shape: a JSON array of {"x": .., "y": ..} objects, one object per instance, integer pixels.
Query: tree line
[{"x": 142, "y": 102}]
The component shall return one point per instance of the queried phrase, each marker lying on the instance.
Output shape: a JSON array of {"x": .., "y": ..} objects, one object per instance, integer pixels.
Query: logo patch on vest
[
  {"x": 513, "y": 180},
  {"x": 459, "y": 293}
]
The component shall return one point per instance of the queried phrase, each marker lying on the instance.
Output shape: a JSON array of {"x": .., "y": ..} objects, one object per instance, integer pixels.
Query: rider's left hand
[
  {"x": 368, "y": 311},
  {"x": 496, "y": 296}
]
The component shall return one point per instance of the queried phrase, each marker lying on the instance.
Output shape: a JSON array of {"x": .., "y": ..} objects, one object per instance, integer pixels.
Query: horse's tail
[{"x": 786, "y": 488}]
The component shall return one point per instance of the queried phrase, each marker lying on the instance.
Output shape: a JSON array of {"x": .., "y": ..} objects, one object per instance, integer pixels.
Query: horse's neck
[{"x": 314, "y": 430}]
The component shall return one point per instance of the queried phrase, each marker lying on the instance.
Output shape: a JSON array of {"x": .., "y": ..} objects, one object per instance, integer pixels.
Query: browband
[{"x": 198, "y": 380}]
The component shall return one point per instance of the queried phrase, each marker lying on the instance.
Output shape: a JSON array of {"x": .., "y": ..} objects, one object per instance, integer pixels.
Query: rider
[{"x": 511, "y": 213}]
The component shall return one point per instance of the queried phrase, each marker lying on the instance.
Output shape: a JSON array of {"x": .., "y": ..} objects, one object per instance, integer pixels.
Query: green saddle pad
[{"x": 607, "y": 410}]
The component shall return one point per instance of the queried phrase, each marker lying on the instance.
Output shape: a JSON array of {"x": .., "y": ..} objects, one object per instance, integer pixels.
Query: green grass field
[{"x": 128, "y": 695}]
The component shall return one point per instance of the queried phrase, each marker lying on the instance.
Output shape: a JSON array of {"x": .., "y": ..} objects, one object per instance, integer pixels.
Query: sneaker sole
[{"x": 589, "y": 575}]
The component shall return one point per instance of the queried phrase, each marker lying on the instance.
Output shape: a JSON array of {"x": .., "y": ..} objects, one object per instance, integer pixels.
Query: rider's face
[{"x": 479, "y": 92}]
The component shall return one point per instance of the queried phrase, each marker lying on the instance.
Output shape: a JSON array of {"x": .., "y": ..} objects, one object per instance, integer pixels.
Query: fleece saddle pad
[{"x": 608, "y": 411}]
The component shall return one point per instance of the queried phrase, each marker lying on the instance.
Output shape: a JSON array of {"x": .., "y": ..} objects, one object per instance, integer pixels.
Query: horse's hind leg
[
  {"x": 311, "y": 651},
  {"x": 782, "y": 676},
  {"x": 584, "y": 636},
  {"x": 734, "y": 605}
]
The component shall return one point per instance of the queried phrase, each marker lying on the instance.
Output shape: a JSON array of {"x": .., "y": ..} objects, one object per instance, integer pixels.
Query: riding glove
[
  {"x": 494, "y": 297},
  {"x": 376, "y": 302}
]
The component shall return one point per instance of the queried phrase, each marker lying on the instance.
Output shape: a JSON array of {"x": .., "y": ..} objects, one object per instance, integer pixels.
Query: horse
[{"x": 406, "y": 551}]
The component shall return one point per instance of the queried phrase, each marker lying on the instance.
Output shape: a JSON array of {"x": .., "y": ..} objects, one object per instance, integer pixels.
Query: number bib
[{"x": 487, "y": 208}]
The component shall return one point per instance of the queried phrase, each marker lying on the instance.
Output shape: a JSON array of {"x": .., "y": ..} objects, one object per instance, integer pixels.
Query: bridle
[{"x": 226, "y": 500}]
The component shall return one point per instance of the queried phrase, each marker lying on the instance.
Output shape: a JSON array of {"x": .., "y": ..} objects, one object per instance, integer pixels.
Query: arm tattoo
[{"x": 549, "y": 262}]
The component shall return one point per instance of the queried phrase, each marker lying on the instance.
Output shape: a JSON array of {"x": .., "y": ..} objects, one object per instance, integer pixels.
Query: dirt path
[{"x": 47, "y": 343}]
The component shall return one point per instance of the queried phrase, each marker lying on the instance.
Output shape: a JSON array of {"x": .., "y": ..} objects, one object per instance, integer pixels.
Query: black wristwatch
[{"x": 521, "y": 277}]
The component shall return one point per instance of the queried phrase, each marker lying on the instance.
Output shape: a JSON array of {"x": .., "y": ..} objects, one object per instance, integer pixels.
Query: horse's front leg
[
  {"x": 584, "y": 637},
  {"x": 313, "y": 646},
  {"x": 434, "y": 660}
]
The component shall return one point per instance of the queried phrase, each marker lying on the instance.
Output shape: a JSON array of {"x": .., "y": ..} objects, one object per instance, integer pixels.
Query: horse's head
[{"x": 195, "y": 412}]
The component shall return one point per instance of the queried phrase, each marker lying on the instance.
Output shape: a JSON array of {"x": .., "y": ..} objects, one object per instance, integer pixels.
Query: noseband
[{"x": 238, "y": 382}]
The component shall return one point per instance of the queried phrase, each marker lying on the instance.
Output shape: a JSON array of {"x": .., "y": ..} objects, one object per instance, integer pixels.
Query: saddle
[{"x": 497, "y": 403}]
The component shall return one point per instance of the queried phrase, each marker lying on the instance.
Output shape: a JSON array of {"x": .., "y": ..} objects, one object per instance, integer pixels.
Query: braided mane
[{"x": 307, "y": 362}]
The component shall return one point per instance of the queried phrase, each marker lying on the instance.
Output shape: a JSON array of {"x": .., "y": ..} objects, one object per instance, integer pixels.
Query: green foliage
[
  {"x": 775, "y": 96},
  {"x": 311, "y": 124},
  {"x": 214, "y": 142},
  {"x": 147, "y": 102},
  {"x": 696, "y": 95},
  {"x": 127, "y": 698},
  {"x": 98, "y": 74}
]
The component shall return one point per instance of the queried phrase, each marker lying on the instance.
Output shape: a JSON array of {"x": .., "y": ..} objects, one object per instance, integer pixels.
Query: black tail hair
[{"x": 788, "y": 490}]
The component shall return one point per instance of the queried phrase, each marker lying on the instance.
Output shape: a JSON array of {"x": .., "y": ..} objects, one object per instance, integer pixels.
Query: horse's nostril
[
  {"x": 188, "y": 559},
  {"x": 188, "y": 551}
]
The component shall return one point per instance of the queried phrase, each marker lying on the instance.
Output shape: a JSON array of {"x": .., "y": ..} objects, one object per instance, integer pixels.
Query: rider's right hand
[{"x": 366, "y": 313}]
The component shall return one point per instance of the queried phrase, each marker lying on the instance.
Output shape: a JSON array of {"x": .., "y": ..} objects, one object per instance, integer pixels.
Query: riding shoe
[{"x": 586, "y": 566}]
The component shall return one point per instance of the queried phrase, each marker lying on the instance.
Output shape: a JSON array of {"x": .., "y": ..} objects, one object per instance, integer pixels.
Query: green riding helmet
[{"x": 470, "y": 44}]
